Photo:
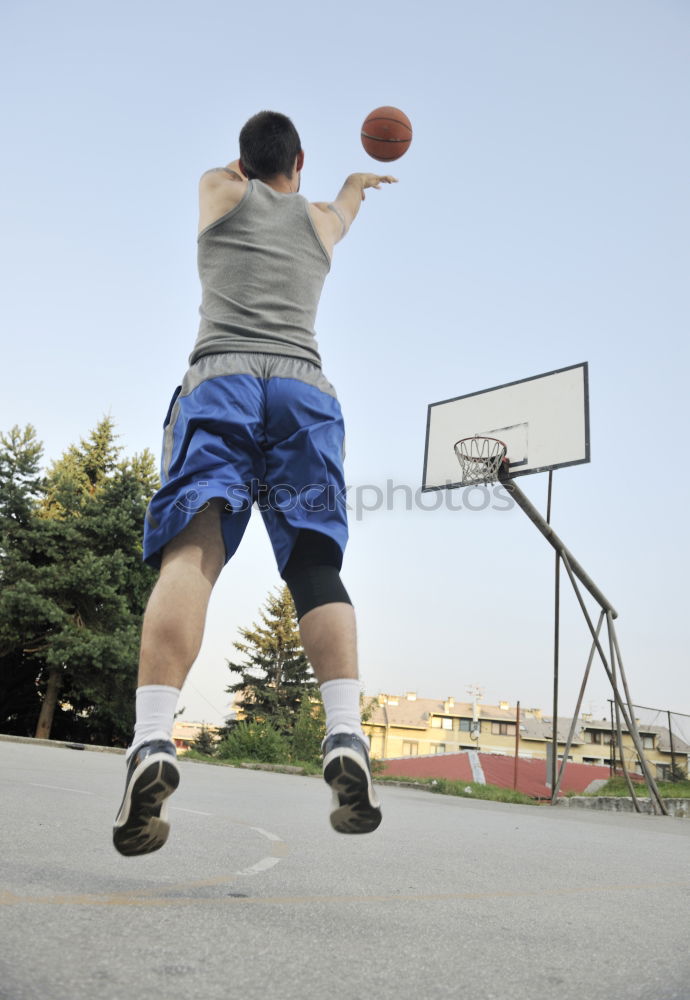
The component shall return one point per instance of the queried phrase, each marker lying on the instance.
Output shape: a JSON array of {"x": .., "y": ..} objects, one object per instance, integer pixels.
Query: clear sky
[{"x": 541, "y": 220}]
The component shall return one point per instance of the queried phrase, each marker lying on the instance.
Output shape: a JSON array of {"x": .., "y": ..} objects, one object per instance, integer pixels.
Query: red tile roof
[{"x": 498, "y": 770}]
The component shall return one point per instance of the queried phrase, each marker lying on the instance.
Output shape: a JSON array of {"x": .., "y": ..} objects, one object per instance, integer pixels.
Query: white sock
[
  {"x": 156, "y": 705},
  {"x": 341, "y": 702}
]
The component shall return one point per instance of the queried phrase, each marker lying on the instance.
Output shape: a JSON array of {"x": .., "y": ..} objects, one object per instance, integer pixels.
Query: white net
[{"x": 480, "y": 459}]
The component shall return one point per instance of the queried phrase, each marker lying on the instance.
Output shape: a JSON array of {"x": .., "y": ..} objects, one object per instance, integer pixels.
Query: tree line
[{"x": 73, "y": 588}]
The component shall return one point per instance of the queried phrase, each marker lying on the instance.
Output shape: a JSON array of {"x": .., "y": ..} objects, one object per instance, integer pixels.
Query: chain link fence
[{"x": 665, "y": 737}]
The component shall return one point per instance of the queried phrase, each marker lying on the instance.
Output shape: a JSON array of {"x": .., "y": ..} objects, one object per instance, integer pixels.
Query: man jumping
[{"x": 254, "y": 419}]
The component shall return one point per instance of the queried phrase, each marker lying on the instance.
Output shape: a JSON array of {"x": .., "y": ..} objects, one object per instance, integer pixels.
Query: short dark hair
[{"x": 269, "y": 145}]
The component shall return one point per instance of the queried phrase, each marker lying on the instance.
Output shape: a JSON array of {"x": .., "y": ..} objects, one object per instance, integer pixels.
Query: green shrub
[
  {"x": 254, "y": 741},
  {"x": 308, "y": 732}
]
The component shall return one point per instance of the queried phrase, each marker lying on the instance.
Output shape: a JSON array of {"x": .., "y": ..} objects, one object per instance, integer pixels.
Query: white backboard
[{"x": 543, "y": 420}]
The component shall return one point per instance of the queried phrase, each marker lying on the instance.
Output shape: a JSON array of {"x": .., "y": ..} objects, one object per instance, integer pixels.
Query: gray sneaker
[
  {"x": 346, "y": 769},
  {"x": 152, "y": 775}
]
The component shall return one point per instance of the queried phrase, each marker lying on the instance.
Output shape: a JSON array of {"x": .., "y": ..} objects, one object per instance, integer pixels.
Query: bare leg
[
  {"x": 176, "y": 613},
  {"x": 170, "y": 640},
  {"x": 329, "y": 637}
]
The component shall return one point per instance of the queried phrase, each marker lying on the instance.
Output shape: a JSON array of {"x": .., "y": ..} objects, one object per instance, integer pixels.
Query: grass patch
[
  {"x": 306, "y": 766},
  {"x": 192, "y": 754},
  {"x": 465, "y": 789},
  {"x": 667, "y": 789},
  {"x": 441, "y": 786}
]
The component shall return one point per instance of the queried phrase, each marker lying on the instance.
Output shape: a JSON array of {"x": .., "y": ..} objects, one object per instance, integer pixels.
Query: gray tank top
[{"x": 262, "y": 267}]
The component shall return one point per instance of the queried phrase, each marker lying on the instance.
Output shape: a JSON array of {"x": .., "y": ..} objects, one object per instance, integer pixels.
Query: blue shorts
[{"x": 251, "y": 428}]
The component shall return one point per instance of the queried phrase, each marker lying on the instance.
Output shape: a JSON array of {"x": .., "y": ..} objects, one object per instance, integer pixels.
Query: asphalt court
[{"x": 253, "y": 877}]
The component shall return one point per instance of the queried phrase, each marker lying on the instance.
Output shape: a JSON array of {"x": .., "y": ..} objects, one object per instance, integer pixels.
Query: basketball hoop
[{"x": 480, "y": 458}]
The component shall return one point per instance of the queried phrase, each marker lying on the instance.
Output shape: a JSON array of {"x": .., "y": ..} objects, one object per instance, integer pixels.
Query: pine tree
[
  {"x": 276, "y": 675},
  {"x": 73, "y": 587},
  {"x": 20, "y": 479},
  {"x": 204, "y": 742},
  {"x": 20, "y": 490}
]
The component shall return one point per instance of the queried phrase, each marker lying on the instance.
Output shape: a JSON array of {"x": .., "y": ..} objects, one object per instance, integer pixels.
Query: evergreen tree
[
  {"x": 20, "y": 480},
  {"x": 21, "y": 487},
  {"x": 73, "y": 587},
  {"x": 309, "y": 730},
  {"x": 276, "y": 675},
  {"x": 205, "y": 742}
]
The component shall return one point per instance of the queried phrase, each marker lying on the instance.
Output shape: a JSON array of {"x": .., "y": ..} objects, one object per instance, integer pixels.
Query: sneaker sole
[
  {"x": 141, "y": 825},
  {"x": 355, "y": 806}
]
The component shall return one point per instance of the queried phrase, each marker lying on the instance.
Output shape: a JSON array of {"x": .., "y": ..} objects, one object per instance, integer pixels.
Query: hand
[{"x": 374, "y": 181}]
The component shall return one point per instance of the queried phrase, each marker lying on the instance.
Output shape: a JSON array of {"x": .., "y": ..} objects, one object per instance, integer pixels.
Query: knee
[
  {"x": 313, "y": 586},
  {"x": 312, "y": 572}
]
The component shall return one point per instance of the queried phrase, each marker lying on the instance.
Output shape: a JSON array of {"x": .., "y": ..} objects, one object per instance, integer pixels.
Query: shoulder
[
  {"x": 329, "y": 221},
  {"x": 220, "y": 176},
  {"x": 220, "y": 191}
]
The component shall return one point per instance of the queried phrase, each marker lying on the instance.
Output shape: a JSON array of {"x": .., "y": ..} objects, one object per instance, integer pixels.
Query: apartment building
[{"x": 408, "y": 726}]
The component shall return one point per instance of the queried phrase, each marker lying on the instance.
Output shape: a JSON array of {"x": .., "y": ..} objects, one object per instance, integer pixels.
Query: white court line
[
  {"x": 60, "y": 788},
  {"x": 260, "y": 866},
  {"x": 265, "y": 863},
  {"x": 266, "y": 834}
]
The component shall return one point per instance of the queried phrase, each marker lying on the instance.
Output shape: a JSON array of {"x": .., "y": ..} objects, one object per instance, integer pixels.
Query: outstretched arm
[
  {"x": 352, "y": 195},
  {"x": 334, "y": 218}
]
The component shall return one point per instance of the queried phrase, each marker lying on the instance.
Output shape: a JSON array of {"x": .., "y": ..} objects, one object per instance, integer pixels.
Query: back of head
[{"x": 269, "y": 145}]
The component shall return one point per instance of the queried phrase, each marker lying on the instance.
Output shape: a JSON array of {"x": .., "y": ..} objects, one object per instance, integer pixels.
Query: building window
[
  {"x": 438, "y": 747},
  {"x": 410, "y": 748},
  {"x": 662, "y": 772},
  {"x": 647, "y": 741},
  {"x": 503, "y": 729},
  {"x": 441, "y": 722},
  {"x": 593, "y": 736},
  {"x": 465, "y": 725}
]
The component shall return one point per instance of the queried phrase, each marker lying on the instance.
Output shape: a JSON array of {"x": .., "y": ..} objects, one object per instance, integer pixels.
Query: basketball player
[{"x": 254, "y": 418}]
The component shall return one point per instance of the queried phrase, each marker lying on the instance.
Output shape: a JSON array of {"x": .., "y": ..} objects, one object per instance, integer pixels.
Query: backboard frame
[{"x": 517, "y": 429}]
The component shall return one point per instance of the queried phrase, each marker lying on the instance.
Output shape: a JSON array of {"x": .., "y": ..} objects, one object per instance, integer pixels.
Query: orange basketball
[{"x": 386, "y": 134}]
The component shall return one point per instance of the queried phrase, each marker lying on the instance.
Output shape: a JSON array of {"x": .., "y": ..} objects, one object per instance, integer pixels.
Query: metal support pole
[
  {"x": 556, "y": 654},
  {"x": 556, "y": 651},
  {"x": 612, "y": 766},
  {"x": 655, "y": 795},
  {"x": 624, "y": 766},
  {"x": 628, "y": 718},
  {"x": 552, "y": 538},
  {"x": 619, "y": 729},
  {"x": 673, "y": 754},
  {"x": 574, "y": 569},
  {"x": 517, "y": 745},
  {"x": 657, "y": 802},
  {"x": 573, "y": 725}
]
